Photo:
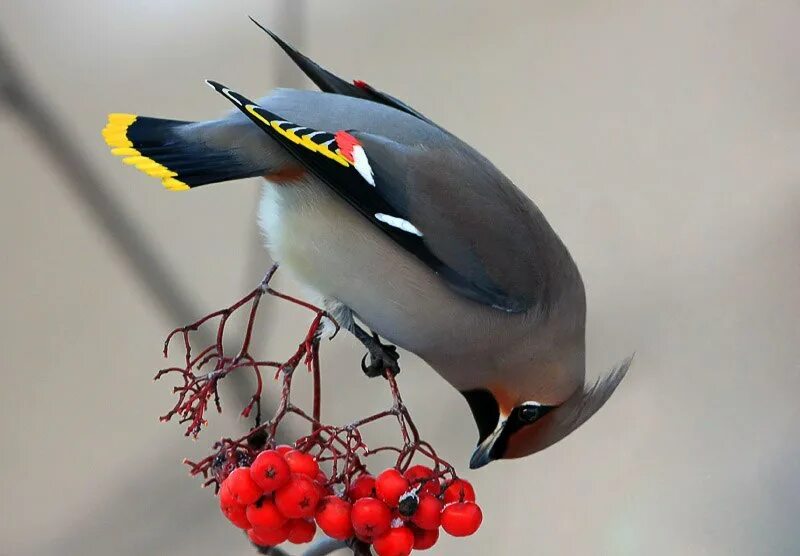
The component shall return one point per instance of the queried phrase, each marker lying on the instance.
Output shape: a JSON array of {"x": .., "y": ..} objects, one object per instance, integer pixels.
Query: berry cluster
[
  {"x": 279, "y": 493},
  {"x": 284, "y": 496}
]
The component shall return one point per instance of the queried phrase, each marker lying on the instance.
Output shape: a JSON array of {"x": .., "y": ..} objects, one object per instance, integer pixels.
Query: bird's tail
[{"x": 181, "y": 154}]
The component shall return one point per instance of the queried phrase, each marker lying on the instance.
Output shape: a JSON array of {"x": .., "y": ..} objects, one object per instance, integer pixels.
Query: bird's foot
[{"x": 382, "y": 359}]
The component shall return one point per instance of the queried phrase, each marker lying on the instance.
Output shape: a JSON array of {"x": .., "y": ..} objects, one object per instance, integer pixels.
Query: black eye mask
[{"x": 520, "y": 417}]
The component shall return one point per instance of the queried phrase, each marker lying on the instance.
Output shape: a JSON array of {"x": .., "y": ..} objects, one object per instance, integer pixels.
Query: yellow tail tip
[
  {"x": 115, "y": 134},
  {"x": 116, "y": 131}
]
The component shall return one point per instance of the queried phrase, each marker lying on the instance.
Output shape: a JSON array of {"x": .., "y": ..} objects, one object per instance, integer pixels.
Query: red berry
[
  {"x": 421, "y": 475},
  {"x": 283, "y": 449},
  {"x": 371, "y": 518},
  {"x": 302, "y": 463},
  {"x": 269, "y": 537},
  {"x": 237, "y": 515},
  {"x": 264, "y": 514},
  {"x": 297, "y": 498},
  {"x": 302, "y": 531},
  {"x": 270, "y": 471},
  {"x": 333, "y": 517},
  {"x": 424, "y": 539},
  {"x": 226, "y": 497},
  {"x": 390, "y": 486},
  {"x": 461, "y": 519},
  {"x": 362, "y": 487},
  {"x": 429, "y": 513},
  {"x": 459, "y": 490},
  {"x": 242, "y": 487},
  {"x": 321, "y": 482},
  {"x": 395, "y": 542}
]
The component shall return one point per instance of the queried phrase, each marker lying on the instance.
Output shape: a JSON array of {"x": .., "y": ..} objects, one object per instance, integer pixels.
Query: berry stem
[
  {"x": 317, "y": 411},
  {"x": 343, "y": 447}
]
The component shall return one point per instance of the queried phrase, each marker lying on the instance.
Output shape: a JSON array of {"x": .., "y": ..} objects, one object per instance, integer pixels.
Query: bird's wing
[
  {"x": 331, "y": 83},
  {"x": 381, "y": 179}
]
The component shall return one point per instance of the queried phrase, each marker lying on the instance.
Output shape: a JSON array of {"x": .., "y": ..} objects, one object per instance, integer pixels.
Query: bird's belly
[{"x": 337, "y": 252}]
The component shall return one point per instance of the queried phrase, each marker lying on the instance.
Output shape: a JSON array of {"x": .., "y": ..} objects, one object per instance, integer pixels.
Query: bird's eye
[{"x": 529, "y": 413}]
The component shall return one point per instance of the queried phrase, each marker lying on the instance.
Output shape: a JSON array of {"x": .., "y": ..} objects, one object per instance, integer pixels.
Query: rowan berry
[
  {"x": 243, "y": 489},
  {"x": 226, "y": 497},
  {"x": 362, "y": 487},
  {"x": 459, "y": 490},
  {"x": 302, "y": 531},
  {"x": 270, "y": 471},
  {"x": 371, "y": 518},
  {"x": 424, "y": 538},
  {"x": 264, "y": 514},
  {"x": 461, "y": 519},
  {"x": 298, "y": 498},
  {"x": 302, "y": 463},
  {"x": 237, "y": 515},
  {"x": 422, "y": 476},
  {"x": 269, "y": 537},
  {"x": 334, "y": 518},
  {"x": 398, "y": 541},
  {"x": 390, "y": 486},
  {"x": 429, "y": 513}
]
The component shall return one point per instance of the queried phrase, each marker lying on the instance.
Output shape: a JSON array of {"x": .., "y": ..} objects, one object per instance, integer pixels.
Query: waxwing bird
[{"x": 400, "y": 225}]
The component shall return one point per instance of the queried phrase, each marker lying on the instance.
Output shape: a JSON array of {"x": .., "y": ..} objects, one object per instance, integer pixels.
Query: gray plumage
[{"x": 508, "y": 315}]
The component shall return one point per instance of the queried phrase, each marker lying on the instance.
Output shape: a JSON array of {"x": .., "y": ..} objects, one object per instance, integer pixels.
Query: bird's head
[{"x": 515, "y": 425}]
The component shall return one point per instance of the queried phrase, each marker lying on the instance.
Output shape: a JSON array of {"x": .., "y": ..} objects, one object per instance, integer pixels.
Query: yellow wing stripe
[
  {"x": 304, "y": 140},
  {"x": 116, "y": 136}
]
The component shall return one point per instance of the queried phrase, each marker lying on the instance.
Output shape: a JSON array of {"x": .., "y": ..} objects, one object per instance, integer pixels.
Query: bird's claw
[{"x": 383, "y": 360}]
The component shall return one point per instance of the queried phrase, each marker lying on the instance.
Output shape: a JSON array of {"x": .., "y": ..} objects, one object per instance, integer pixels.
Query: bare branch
[{"x": 325, "y": 546}]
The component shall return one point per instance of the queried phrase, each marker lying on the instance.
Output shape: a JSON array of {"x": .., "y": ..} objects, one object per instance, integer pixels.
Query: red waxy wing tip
[{"x": 346, "y": 143}]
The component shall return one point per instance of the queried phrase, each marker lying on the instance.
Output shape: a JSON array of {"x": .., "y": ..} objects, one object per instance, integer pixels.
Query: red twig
[{"x": 343, "y": 448}]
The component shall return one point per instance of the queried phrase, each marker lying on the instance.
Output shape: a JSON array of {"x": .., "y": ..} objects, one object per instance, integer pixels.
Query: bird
[{"x": 409, "y": 237}]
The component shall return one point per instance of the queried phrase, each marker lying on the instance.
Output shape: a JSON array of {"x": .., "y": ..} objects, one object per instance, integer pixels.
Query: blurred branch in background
[
  {"x": 19, "y": 94},
  {"x": 321, "y": 547},
  {"x": 289, "y": 20}
]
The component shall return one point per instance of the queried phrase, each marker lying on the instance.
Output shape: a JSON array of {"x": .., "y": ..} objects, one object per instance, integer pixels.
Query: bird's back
[{"x": 472, "y": 212}]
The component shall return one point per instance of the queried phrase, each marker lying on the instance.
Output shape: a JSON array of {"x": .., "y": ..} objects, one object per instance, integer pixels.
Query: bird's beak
[{"x": 483, "y": 453}]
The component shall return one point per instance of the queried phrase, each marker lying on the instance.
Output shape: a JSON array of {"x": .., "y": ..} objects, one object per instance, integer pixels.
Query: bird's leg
[{"x": 382, "y": 357}]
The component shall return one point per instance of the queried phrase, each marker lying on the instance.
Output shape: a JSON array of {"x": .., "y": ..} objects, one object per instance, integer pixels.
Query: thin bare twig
[{"x": 343, "y": 448}]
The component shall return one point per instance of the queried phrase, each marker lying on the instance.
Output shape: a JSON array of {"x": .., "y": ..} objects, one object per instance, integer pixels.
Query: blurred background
[{"x": 661, "y": 139}]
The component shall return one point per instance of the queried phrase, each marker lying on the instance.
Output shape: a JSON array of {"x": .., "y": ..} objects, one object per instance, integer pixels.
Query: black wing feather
[
  {"x": 368, "y": 200},
  {"x": 331, "y": 83}
]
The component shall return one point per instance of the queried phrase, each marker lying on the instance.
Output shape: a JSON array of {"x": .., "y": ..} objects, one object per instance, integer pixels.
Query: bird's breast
[{"x": 331, "y": 248}]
